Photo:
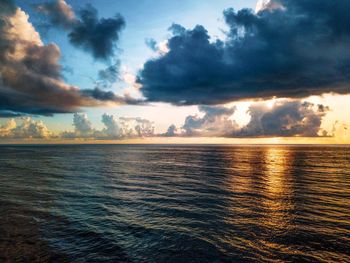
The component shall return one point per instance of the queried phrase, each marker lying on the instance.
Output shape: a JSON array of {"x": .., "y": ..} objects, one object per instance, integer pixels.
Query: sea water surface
[{"x": 163, "y": 203}]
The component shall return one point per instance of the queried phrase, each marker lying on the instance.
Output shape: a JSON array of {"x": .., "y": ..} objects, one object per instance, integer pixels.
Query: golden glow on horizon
[
  {"x": 336, "y": 122},
  {"x": 194, "y": 140}
]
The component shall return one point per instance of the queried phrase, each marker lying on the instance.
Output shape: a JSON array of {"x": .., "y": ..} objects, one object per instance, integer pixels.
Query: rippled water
[{"x": 174, "y": 203}]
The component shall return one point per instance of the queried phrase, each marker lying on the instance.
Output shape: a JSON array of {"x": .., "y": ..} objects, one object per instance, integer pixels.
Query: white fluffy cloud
[
  {"x": 114, "y": 128},
  {"x": 268, "y": 5},
  {"x": 27, "y": 128},
  {"x": 286, "y": 118},
  {"x": 215, "y": 122}
]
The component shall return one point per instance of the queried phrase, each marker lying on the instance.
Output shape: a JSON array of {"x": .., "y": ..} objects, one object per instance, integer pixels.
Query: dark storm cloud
[
  {"x": 31, "y": 79},
  {"x": 98, "y": 36},
  {"x": 299, "y": 50}
]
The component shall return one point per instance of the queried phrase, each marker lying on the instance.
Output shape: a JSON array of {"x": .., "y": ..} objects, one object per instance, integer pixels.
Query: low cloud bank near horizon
[
  {"x": 27, "y": 128},
  {"x": 284, "y": 118},
  {"x": 114, "y": 128}
]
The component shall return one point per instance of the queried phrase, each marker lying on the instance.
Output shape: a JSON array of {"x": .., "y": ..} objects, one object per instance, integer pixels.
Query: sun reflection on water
[
  {"x": 262, "y": 188},
  {"x": 278, "y": 188}
]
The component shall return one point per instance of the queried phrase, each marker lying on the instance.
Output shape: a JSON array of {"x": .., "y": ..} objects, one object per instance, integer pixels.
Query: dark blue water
[{"x": 174, "y": 204}]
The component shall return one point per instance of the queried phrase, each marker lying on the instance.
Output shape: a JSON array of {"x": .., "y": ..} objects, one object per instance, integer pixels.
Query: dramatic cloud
[
  {"x": 30, "y": 75},
  {"x": 289, "y": 48},
  {"x": 115, "y": 128},
  {"x": 283, "y": 119},
  {"x": 27, "y": 129},
  {"x": 99, "y": 36},
  {"x": 31, "y": 79}
]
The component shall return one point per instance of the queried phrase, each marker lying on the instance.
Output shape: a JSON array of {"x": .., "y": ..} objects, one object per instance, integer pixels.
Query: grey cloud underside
[
  {"x": 109, "y": 96},
  {"x": 284, "y": 119},
  {"x": 300, "y": 50},
  {"x": 10, "y": 114}
]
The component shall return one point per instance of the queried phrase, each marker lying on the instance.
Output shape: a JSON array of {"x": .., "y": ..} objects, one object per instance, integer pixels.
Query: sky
[{"x": 161, "y": 71}]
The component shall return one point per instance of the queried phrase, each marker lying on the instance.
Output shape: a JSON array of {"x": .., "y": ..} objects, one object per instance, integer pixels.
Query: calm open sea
[{"x": 116, "y": 203}]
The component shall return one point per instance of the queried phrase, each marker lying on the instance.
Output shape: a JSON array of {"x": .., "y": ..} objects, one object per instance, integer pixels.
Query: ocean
[{"x": 166, "y": 203}]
